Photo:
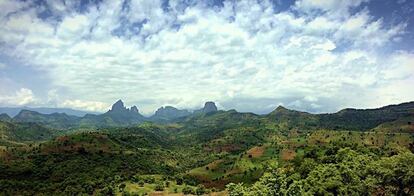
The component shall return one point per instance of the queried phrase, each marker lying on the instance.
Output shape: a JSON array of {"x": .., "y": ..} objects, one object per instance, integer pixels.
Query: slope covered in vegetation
[{"x": 225, "y": 152}]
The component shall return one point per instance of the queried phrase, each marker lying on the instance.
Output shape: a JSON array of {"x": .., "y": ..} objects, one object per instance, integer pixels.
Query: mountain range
[
  {"x": 120, "y": 116},
  {"x": 13, "y": 111},
  {"x": 117, "y": 116}
]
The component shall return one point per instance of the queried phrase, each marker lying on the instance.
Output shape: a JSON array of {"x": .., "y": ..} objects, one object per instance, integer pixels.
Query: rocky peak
[
  {"x": 209, "y": 107},
  {"x": 170, "y": 112},
  {"x": 118, "y": 106},
  {"x": 166, "y": 109},
  {"x": 134, "y": 109}
]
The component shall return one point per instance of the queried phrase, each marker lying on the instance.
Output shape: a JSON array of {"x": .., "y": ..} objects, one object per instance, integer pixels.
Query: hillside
[
  {"x": 202, "y": 152},
  {"x": 365, "y": 119},
  {"x": 55, "y": 120},
  {"x": 346, "y": 119},
  {"x": 25, "y": 132},
  {"x": 401, "y": 125}
]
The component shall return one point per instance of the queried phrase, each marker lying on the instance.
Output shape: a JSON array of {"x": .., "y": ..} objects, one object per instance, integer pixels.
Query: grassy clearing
[
  {"x": 287, "y": 154},
  {"x": 149, "y": 189},
  {"x": 256, "y": 152}
]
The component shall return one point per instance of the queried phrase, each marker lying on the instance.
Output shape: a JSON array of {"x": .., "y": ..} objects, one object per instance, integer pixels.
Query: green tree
[
  {"x": 187, "y": 190},
  {"x": 122, "y": 187},
  {"x": 159, "y": 186},
  {"x": 235, "y": 189},
  {"x": 393, "y": 175},
  {"x": 200, "y": 190}
]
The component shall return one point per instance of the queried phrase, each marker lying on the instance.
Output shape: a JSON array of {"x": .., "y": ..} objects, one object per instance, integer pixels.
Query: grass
[
  {"x": 149, "y": 188},
  {"x": 256, "y": 152}
]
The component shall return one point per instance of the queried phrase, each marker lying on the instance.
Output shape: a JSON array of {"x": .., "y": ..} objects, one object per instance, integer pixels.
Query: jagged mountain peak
[
  {"x": 209, "y": 106},
  {"x": 169, "y": 112},
  {"x": 118, "y": 106},
  {"x": 165, "y": 110},
  {"x": 134, "y": 109}
]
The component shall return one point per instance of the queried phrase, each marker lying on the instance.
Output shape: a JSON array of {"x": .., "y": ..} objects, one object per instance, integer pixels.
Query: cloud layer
[{"x": 317, "y": 56}]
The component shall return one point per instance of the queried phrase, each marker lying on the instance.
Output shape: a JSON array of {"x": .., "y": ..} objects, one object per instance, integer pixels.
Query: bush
[
  {"x": 159, "y": 186},
  {"x": 141, "y": 183},
  {"x": 187, "y": 190},
  {"x": 122, "y": 187},
  {"x": 179, "y": 180},
  {"x": 200, "y": 190},
  {"x": 149, "y": 179}
]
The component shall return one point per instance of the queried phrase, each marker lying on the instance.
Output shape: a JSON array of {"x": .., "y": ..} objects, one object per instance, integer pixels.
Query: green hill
[
  {"x": 25, "y": 132},
  {"x": 347, "y": 119},
  {"x": 205, "y": 151},
  {"x": 401, "y": 125},
  {"x": 55, "y": 120}
]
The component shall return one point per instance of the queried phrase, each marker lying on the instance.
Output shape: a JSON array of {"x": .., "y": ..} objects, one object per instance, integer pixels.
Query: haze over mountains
[
  {"x": 13, "y": 111},
  {"x": 120, "y": 115}
]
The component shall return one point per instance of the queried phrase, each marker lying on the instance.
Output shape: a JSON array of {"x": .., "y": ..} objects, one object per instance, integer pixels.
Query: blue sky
[{"x": 311, "y": 55}]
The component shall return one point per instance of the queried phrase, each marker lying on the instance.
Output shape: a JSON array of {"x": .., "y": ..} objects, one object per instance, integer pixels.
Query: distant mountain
[
  {"x": 121, "y": 115},
  {"x": 286, "y": 119},
  {"x": 290, "y": 118},
  {"x": 346, "y": 119},
  {"x": 167, "y": 113},
  {"x": 11, "y": 132},
  {"x": 54, "y": 120},
  {"x": 5, "y": 117},
  {"x": 364, "y": 119},
  {"x": 13, "y": 111},
  {"x": 118, "y": 115},
  {"x": 209, "y": 107}
]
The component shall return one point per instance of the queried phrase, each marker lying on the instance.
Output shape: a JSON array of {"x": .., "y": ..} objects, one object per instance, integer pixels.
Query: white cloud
[
  {"x": 85, "y": 105},
  {"x": 73, "y": 26},
  {"x": 21, "y": 97},
  {"x": 241, "y": 50},
  {"x": 401, "y": 66}
]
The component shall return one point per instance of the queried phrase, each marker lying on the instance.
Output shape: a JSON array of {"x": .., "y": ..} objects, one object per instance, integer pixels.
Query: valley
[
  {"x": 210, "y": 97},
  {"x": 214, "y": 152}
]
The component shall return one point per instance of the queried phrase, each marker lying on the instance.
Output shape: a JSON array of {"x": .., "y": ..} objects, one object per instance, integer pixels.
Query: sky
[{"x": 311, "y": 55}]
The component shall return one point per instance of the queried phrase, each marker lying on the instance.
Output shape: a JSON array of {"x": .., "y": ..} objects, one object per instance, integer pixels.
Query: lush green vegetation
[
  {"x": 219, "y": 153},
  {"x": 337, "y": 171}
]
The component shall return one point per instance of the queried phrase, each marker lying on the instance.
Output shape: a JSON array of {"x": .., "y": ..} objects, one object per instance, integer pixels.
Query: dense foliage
[
  {"x": 336, "y": 171},
  {"x": 227, "y": 152}
]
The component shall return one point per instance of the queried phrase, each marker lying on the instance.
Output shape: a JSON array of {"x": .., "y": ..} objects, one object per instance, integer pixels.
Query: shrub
[
  {"x": 187, "y": 190},
  {"x": 200, "y": 190},
  {"x": 141, "y": 183},
  {"x": 159, "y": 186}
]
